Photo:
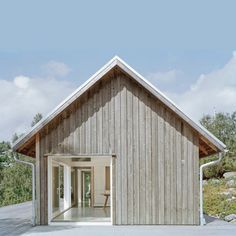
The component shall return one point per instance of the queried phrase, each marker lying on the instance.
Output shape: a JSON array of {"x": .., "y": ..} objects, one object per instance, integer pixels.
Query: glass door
[
  {"x": 86, "y": 188},
  {"x": 61, "y": 188},
  {"x": 57, "y": 188},
  {"x": 73, "y": 189}
]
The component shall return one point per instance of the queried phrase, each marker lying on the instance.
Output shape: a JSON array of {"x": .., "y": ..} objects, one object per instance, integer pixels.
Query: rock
[
  {"x": 226, "y": 194},
  {"x": 232, "y": 190},
  {"x": 233, "y": 221},
  {"x": 229, "y": 175},
  {"x": 215, "y": 181},
  {"x": 230, "y": 199},
  {"x": 204, "y": 182},
  {"x": 231, "y": 183},
  {"x": 230, "y": 217}
]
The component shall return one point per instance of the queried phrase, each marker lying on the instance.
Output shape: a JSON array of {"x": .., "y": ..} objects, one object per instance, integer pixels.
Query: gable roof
[{"x": 208, "y": 137}]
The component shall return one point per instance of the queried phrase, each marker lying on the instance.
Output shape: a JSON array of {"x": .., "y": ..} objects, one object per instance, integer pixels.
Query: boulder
[
  {"x": 232, "y": 190},
  {"x": 227, "y": 194},
  {"x": 233, "y": 221},
  {"x": 215, "y": 181},
  {"x": 230, "y": 199},
  {"x": 231, "y": 183},
  {"x": 229, "y": 175},
  {"x": 230, "y": 217}
]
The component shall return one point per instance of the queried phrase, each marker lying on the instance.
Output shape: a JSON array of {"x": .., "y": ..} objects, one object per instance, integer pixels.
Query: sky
[{"x": 187, "y": 49}]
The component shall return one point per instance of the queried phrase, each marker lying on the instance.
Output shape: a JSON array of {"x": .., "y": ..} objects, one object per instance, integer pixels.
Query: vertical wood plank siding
[{"x": 157, "y": 154}]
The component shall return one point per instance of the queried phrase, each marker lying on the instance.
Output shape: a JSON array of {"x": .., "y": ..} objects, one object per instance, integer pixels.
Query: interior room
[{"x": 79, "y": 189}]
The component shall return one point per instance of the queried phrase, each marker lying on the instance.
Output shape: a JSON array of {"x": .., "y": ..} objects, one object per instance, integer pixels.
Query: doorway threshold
[{"x": 65, "y": 223}]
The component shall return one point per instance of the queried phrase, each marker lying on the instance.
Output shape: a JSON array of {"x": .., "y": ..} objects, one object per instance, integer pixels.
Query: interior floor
[{"x": 85, "y": 214}]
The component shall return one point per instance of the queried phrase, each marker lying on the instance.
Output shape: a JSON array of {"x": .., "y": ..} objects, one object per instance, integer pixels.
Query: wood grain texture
[{"x": 156, "y": 167}]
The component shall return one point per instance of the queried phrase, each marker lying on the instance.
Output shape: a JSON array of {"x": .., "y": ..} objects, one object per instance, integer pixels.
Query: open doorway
[
  {"x": 85, "y": 189},
  {"x": 79, "y": 189}
]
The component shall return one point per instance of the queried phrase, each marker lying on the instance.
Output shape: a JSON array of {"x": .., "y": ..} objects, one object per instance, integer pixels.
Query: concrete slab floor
[
  {"x": 15, "y": 220},
  {"x": 85, "y": 214},
  {"x": 226, "y": 230}
]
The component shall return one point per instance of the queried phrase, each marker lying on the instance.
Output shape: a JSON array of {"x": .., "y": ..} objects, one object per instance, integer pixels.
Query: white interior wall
[{"x": 99, "y": 164}]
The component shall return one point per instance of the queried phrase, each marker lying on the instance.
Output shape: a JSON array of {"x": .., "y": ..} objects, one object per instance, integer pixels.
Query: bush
[
  {"x": 16, "y": 185},
  {"x": 215, "y": 202},
  {"x": 227, "y": 164}
]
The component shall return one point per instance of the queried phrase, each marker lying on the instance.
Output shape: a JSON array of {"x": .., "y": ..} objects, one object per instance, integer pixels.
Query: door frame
[
  {"x": 112, "y": 181},
  {"x": 51, "y": 162}
]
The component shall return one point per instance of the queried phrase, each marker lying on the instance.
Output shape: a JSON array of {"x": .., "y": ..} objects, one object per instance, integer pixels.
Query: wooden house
[{"x": 117, "y": 150}]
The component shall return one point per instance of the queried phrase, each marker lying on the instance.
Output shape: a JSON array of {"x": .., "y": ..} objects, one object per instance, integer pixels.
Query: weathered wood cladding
[{"x": 157, "y": 153}]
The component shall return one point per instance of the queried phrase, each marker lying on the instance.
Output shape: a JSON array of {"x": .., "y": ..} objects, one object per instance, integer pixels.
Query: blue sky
[{"x": 180, "y": 46}]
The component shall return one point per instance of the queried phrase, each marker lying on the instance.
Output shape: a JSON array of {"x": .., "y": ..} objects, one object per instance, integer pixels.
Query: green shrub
[
  {"x": 15, "y": 186},
  {"x": 228, "y": 163},
  {"x": 223, "y": 126},
  {"x": 215, "y": 203}
]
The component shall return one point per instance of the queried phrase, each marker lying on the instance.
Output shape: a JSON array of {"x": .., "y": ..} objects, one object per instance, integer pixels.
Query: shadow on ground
[
  {"x": 214, "y": 221},
  {"x": 14, "y": 226}
]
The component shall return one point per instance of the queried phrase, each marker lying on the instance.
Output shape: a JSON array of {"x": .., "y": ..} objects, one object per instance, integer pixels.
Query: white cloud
[
  {"x": 234, "y": 53},
  {"x": 211, "y": 92},
  {"x": 23, "y": 97},
  {"x": 22, "y": 82},
  {"x": 54, "y": 68}
]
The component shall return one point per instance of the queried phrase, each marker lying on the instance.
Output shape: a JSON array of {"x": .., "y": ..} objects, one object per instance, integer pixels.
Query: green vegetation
[
  {"x": 4, "y": 155},
  {"x": 15, "y": 178},
  {"x": 15, "y": 184},
  {"x": 36, "y": 119},
  {"x": 219, "y": 199},
  {"x": 223, "y": 126}
]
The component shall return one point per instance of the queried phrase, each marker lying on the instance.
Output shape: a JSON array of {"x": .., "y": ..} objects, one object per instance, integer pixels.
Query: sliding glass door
[
  {"x": 57, "y": 188},
  {"x": 86, "y": 188}
]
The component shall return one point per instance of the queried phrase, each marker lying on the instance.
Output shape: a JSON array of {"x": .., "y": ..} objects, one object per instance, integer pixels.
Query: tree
[
  {"x": 15, "y": 178},
  {"x": 223, "y": 126},
  {"x": 36, "y": 119},
  {"x": 15, "y": 186},
  {"x": 16, "y": 136},
  {"x": 4, "y": 155}
]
